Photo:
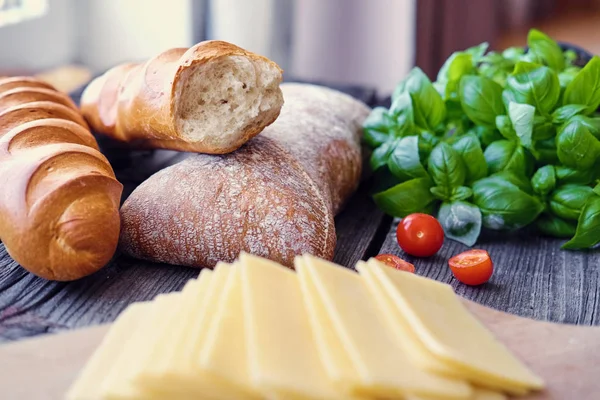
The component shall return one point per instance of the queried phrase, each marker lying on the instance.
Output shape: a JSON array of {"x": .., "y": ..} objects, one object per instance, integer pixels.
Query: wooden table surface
[{"x": 532, "y": 278}]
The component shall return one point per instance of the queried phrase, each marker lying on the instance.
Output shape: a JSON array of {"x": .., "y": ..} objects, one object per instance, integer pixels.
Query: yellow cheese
[
  {"x": 118, "y": 382},
  {"x": 383, "y": 368},
  {"x": 485, "y": 394},
  {"x": 166, "y": 335},
  {"x": 223, "y": 357},
  {"x": 283, "y": 358},
  {"x": 478, "y": 394},
  {"x": 336, "y": 361},
  {"x": 449, "y": 331},
  {"x": 91, "y": 377},
  {"x": 176, "y": 362},
  {"x": 404, "y": 335}
]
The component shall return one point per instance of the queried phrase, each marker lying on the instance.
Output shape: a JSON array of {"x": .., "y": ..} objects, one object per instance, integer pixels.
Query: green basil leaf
[
  {"x": 446, "y": 167},
  {"x": 461, "y": 221},
  {"x": 567, "y": 201},
  {"x": 546, "y": 49},
  {"x": 478, "y": 51},
  {"x": 542, "y": 128},
  {"x": 506, "y": 155},
  {"x": 588, "y": 226},
  {"x": 428, "y": 106},
  {"x": 562, "y": 114},
  {"x": 513, "y": 53},
  {"x": 597, "y": 189},
  {"x": 459, "y": 64},
  {"x": 402, "y": 112},
  {"x": 585, "y": 87},
  {"x": 427, "y": 141},
  {"x": 521, "y": 116},
  {"x": 461, "y": 193},
  {"x": 407, "y": 198},
  {"x": 546, "y": 152},
  {"x": 534, "y": 84},
  {"x": 377, "y": 127},
  {"x": 380, "y": 155},
  {"x": 404, "y": 162},
  {"x": 591, "y": 123},
  {"x": 576, "y": 146},
  {"x": 469, "y": 148},
  {"x": 566, "y": 175},
  {"x": 570, "y": 57},
  {"x": 503, "y": 205},
  {"x": 504, "y": 125},
  {"x": 544, "y": 180},
  {"x": 518, "y": 180},
  {"x": 566, "y": 77},
  {"x": 481, "y": 99},
  {"x": 441, "y": 193},
  {"x": 486, "y": 135},
  {"x": 556, "y": 227}
]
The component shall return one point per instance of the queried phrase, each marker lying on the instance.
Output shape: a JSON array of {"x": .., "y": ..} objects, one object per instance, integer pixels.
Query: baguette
[
  {"x": 210, "y": 98},
  {"x": 275, "y": 197},
  {"x": 59, "y": 202}
]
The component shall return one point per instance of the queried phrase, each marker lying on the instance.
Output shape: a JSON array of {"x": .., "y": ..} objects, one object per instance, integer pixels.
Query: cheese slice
[
  {"x": 336, "y": 361},
  {"x": 410, "y": 342},
  {"x": 405, "y": 337},
  {"x": 485, "y": 394},
  {"x": 478, "y": 394},
  {"x": 451, "y": 333},
  {"x": 118, "y": 383},
  {"x": 383, "y": 367},
  {"x": 91, "y": 377},
  {"x": 283, "y": 358},
  {"x": 167, "y": 334},
  {"x": 175, "y": 365},
  {"x": 223, "y": 358}
]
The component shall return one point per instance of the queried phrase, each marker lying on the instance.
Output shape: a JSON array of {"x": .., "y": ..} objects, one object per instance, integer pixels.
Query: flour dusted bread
[
  {"x": 211, "y": 98},
  {"x": 59, "y": 202},
  {"x": 275, "y": 197}
]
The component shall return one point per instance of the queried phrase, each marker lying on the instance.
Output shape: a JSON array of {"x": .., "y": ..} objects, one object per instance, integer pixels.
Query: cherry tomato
[
  {"x": 420, "y": 235},
  {"x": 472, "y": 267},
  {"x": 395, "y": 262}
]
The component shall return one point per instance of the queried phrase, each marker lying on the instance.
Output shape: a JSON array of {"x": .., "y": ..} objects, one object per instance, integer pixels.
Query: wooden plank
[{"x": 533, "y": 277}]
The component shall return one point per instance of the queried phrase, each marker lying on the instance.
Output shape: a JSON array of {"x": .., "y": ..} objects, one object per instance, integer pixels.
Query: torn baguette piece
[{"x": 211, "y": 98}]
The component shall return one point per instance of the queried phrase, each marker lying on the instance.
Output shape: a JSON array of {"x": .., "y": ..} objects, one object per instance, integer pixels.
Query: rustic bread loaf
[
  {"x": 211, "y": 98},
  {"x": 59, "y": 203},
  {"x": 275, "y": 197}
]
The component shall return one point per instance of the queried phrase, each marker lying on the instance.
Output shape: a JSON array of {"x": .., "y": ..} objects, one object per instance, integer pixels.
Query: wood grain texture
[
  {"x": 32, "y": 306},
  {"x": 565, "y": 356},
  {"x": 532, "y": 278}
]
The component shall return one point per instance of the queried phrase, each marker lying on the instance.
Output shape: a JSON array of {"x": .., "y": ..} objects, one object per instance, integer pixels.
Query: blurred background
[{"x": 370, "y": 43}]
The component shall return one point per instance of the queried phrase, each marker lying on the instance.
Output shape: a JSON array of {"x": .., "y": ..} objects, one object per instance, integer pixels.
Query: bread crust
[
  {"x": 59, "y": 205},
  {"x": 137, "y": 102},
  {"x": 275, "y": 197}
]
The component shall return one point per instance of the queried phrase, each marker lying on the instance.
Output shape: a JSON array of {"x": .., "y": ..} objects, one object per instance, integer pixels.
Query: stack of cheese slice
[{"x": 256, "y": 330}]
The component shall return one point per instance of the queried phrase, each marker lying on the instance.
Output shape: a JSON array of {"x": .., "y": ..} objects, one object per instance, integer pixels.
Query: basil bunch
[{"x": 499, "y": 140}]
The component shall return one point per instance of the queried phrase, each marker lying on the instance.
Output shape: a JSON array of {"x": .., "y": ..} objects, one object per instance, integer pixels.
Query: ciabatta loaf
[
  {"x": 275, "y": 197},
  {"x": 211, "y": 98},
  {"x": 59, "y": 199}
]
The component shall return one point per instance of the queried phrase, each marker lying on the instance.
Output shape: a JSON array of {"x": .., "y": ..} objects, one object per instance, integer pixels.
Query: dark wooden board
[{"x": 532, "y": 277}]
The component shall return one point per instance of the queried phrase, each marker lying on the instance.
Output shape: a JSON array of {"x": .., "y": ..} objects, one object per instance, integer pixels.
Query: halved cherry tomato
[
  {"x": 395, "y": 262},
  {"x": 472, "y": 267},
  {"x": 420, "y": 235}
]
